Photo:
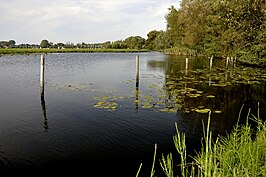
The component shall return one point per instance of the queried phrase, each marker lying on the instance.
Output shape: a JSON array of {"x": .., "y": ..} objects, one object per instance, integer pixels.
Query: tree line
[
  {"x": 222, "y": 28},
  {"x": 132, "y": 42}
]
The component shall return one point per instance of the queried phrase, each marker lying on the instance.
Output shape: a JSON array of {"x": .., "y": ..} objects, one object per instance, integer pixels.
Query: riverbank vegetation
[
  {"x": 228, "y": 28},
  {"x": 241, "y": 153}
]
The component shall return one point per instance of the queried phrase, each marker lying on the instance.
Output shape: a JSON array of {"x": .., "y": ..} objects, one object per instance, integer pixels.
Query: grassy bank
[
  {"x": 241, "y": 153},
  {"x": 75, "y": 50}
]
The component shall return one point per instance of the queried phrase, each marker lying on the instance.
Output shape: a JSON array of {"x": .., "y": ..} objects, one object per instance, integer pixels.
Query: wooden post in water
[
  {"x": 42, "y": 64},
  {"x": 42, "y": 75},
  {"x": 186, "y": 66}
]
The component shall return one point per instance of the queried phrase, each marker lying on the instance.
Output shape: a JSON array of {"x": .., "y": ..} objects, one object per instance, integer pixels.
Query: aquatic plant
[{"x": 240, "y": 153}]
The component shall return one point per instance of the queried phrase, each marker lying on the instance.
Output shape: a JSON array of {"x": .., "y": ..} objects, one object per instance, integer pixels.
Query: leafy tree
[
  {"x": 11, "y": 43},
  {"x": 60, "y": 45},
  {"x": 150, "y": 42},
  {"x": 135, "y": 42},
  {"x": 221, "y": 28},
  {"x": 4, "y": 44},
  {"x": 175, "y": 26},
  {"x": 162, "y": 41},
  {"x": 118, "y": 45},
  {"x": 44, "y": 43}
]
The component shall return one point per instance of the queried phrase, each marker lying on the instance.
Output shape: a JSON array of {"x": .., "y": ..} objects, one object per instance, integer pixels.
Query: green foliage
[
  {"x": 220, "y": 28},
  {"x": 167, "y": 165},
  {"x": 134, "y": 42},
  {"x": 118, "y": 45},
  {"x": 238, "y": 154},
  {"x": 163, "y": 40},
  {"x": 175, "y": 26},
  {"x": 180, "y": 145},
  {"x": 44, "y": 43},
  {"x": 7, "y": 44},
  {"x": 152, "y": 36},
  {"x": 11, "y": 43}
]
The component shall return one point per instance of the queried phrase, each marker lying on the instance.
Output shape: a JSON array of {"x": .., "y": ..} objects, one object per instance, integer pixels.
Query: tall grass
[{"x": 240, "y": 153}]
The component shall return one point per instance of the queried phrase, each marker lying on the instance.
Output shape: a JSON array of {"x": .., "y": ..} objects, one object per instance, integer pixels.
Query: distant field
[{"x": 27, "y": 51}]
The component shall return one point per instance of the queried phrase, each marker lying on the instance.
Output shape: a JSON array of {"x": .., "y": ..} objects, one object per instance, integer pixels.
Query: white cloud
[{"x": 30, "y": 21}]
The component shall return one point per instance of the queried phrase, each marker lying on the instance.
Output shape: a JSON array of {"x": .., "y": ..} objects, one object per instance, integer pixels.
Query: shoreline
[{"x": 30, "y": 51}]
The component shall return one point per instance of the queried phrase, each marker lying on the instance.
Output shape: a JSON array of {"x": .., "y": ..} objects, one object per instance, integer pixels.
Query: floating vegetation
[
  {"x": 194, "y": 91},
  {"x": 202, "y": 110},
  {"x": 146, "y": 106},
  {"x": 193, "y": 95},
  {"x": 107, "y": 102},
  {"x": 106, "y": 105},
  {"x": 217, "y": 112}
]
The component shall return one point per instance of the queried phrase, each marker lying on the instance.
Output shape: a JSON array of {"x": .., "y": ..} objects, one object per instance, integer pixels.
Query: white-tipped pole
[
  {"x": 42, "y": 75},
  {"x": 186, "y": 66}
]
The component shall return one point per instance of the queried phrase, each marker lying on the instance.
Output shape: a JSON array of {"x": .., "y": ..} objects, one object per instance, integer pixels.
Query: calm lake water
[{"x": 93, "y": 119}]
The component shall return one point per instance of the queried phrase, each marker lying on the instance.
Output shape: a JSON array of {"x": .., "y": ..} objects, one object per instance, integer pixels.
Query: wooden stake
[{"x": 42, "y": 75}]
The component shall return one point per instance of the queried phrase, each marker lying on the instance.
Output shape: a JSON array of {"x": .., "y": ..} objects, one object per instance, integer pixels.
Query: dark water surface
[{"x": 92, "y": 120}]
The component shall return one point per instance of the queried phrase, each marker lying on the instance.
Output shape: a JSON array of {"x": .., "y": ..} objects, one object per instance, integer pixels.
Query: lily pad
[
  {"x": 105, "y": 105},
  {"x": 202, "y": 110},
  {"x": 217, "y": 112}
]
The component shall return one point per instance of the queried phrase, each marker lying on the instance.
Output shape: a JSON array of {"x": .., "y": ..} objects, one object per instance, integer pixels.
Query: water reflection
[
  {"x": 207, "y": 86},
  {"x": 88, "y": 136},
  {"x": 137, "y": 93},
  {"x": 45, "y": 120},
  {"x": 137, "y": 83}
]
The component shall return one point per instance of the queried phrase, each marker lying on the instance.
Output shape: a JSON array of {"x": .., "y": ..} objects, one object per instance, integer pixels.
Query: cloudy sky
[{"x": 90, "y": 21}]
